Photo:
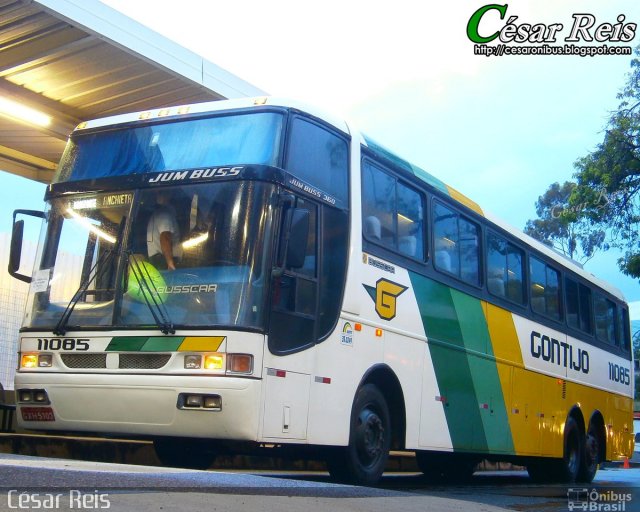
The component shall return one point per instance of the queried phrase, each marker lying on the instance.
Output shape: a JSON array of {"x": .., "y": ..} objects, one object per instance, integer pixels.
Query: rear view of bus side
[{"x": 328, "y": 296}]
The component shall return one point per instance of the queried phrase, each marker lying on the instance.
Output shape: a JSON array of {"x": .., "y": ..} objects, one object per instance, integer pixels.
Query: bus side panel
[
  {"x": 467, "y": 374},
  {"x": 341, "y": 362},
  {"x": 285, "y": 395},
  {"x": 405, "y": 355},
  {"x": 554, "y": 369}
]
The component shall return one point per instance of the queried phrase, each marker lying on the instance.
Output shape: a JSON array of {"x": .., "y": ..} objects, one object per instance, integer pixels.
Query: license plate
[{"x": 37, "y": 414}]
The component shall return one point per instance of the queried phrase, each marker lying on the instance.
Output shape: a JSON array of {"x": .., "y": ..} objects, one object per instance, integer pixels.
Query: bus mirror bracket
[{"x": 15, "y": 251}]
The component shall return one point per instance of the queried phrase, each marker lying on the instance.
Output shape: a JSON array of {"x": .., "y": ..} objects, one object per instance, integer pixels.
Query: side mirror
[
  {"x": 298, "y": 236},
  {"x": 15, "y": 251},
  {"x": 292, "y": 247}
]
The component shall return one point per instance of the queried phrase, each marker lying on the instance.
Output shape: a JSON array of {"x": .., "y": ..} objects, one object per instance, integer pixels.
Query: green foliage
[
  {"x": 608, "y": 179},
  {"x": 559, "y": 226}
]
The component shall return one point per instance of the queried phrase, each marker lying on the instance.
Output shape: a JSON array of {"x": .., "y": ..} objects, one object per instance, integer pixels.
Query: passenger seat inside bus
[{"x": 373, "y": 228}]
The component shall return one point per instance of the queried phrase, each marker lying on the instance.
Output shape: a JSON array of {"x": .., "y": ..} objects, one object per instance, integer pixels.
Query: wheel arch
[
  {"x": 384, "y": 378},
  {"x": 576, "y": 414},
  {"x": 597, "y": 420}
]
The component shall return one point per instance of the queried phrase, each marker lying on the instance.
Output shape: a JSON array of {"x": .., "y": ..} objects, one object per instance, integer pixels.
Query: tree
[
  {"x": 608, "y": 179},
  {"x": 559, "y": 226}
]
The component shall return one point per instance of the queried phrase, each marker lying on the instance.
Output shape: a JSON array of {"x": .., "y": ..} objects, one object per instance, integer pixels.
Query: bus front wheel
[{"x": 363, "y": 460}]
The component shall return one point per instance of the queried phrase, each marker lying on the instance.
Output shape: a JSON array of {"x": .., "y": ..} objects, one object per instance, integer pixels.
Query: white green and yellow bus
[{"x": 326, "y": 295}]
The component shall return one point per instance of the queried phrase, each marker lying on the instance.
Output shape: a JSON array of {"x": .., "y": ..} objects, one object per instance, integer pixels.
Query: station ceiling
[{"x": 73, "y": 60}]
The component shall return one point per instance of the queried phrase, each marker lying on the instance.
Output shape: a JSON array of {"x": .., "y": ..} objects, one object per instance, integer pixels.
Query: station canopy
[{"x": 66, "y": 61}]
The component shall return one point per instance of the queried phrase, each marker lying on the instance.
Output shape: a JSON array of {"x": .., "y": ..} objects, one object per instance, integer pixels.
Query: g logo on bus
[{"x": 384, "y": 295}]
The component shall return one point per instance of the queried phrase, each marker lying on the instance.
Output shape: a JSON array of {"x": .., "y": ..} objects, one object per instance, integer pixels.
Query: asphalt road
[{"x": 34, "y": 483}]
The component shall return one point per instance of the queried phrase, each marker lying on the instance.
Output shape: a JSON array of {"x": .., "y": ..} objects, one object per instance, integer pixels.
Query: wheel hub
[{"x": 370, "y": 435}]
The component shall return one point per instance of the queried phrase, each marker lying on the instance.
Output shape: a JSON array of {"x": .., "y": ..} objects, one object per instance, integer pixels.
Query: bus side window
[
  {"x": 319, "y": 157},
  {"x": 505, "y": 269},
  {"x": 545, "y": 289},
  {"x": 392, "y": 213},
  {"x": 456, "y": 244},
  {"x": 578, "y": 300}
]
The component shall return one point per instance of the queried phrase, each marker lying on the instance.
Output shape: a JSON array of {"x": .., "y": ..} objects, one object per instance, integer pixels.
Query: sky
[{"x": 499, "y": 129}]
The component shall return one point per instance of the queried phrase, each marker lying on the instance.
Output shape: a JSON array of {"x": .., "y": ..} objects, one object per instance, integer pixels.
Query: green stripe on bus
[
  {"x": 126, "y": 343},
  {"x": 484, "y": 372},
  {"x": 451, "y": 363},
  {"x": 162, "y": 344},
  {"x": 144, "y": 344},
  {"x": 430, "y": 179}
]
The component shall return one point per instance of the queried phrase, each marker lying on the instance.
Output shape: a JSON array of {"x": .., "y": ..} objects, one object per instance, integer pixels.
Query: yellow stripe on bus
[
  {"x": 201, "y": 343},
  {"x": 538, "y": 404},
  {"x": 461, "y": 198}
]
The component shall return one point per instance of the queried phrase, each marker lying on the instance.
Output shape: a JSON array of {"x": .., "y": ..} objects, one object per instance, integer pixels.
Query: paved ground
[{"x": 92, "y": 485}]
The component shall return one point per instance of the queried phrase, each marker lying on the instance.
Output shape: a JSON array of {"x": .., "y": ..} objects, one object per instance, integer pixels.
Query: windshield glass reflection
[{"x": 193, "y": 257}]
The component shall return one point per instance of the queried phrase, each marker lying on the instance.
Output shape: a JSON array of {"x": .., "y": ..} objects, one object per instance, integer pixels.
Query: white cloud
[{"x": 634, "y": 310}]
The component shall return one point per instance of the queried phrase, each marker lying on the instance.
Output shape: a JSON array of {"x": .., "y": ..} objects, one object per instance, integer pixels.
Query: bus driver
[{"x": 163, "y": 235}]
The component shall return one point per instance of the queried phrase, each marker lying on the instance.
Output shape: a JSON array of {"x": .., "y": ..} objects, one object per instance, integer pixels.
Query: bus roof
[
  {"x": 212, "y": 106},
  {"x": 340, "y": 124}
]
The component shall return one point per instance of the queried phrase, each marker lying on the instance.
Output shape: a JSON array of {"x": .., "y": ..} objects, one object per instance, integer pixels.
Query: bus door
[{"x": 292, "y": 327}]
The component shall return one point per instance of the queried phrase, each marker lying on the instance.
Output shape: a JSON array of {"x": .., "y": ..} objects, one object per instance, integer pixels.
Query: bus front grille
[
  {"x": 123, "y": 361},
  {"x": 143, "y": 361},
  {"x": 84, "y": 360}
]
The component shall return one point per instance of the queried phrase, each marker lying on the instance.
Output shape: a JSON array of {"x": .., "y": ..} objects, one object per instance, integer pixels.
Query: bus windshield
[
  {"x": 177, "y": 144},
  {"x": 102, "y": 263}
]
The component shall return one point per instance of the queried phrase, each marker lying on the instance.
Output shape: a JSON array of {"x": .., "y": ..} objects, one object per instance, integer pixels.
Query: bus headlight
[
  {"x": 45, "y": 360},
  {"x": 192, "y": 362}
]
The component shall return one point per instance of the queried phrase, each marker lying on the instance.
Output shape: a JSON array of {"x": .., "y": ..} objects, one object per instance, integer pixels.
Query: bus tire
[
  {"x": 362, "y": 462},
  {"x": 566, "y": 469},
  {"x": 569, "y": 466},
  {"x": 590, "y": 456},
  {"x": 184, "y": 453}
]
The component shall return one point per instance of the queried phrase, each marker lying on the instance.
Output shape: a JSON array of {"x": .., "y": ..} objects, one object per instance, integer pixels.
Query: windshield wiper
[
  {"x": 151, "y": 295},
  {"x": 102, "y": 264}
]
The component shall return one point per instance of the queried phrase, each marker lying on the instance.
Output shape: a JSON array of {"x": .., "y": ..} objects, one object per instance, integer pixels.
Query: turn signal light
[
  {"x": 29, "y": 361},
  {"x": 213, "y": 362},
  {"x": 239, "y": 363}
]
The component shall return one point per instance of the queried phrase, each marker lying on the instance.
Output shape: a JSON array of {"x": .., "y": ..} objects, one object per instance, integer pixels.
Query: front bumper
[{"x": 143, "y": 405}]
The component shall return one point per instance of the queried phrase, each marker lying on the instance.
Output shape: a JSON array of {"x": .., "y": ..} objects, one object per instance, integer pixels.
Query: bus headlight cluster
[
  {"x": 241, "y": 364},
  {"x": 36, "y": 361}
]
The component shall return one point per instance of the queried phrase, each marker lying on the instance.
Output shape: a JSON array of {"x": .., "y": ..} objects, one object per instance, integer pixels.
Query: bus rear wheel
[
  {"x": 569, "y": 467},
  {"x": 566, "y": 469},
  {"x": 184, "y": 453},
  {"x": 363, "y": 461},
  {"x": 590, "y": 456}
]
